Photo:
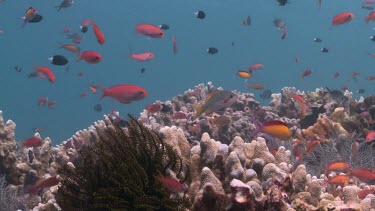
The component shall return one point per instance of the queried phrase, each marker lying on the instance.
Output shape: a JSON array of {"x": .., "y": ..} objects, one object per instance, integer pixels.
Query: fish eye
[
  {"x": 231, "y": 96},
  {"x": 97, "y": 57},
  {"x": 141, "y": 93},
  {"x": 161, "y": 33}
]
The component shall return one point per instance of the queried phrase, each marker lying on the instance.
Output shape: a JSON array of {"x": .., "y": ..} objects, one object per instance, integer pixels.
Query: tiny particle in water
[
  {"x": 98, "y": 107},
  {"x": 84, "y": 29},
  {"x": 143, "y": 70},
  {"x": 232, "y": 43},
  {"x": 317, "y": 39},
  {"x": 361, "y": 91},
  {"x": 164, "y": 26},
  {"x": 58, "y": 60},
  {"x": 200, "y": 14},
  {"x": 212, "y": 50},
  {"x": 18, "y": 68},
  {"x": 324, "y": 50}
]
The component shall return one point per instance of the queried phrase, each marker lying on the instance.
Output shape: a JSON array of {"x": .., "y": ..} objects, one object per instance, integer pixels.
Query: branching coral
[{"x": 121, "y": 171}]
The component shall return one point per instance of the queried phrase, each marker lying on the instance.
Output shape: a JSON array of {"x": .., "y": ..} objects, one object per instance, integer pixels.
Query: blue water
[{"x": 168, "y": 75}]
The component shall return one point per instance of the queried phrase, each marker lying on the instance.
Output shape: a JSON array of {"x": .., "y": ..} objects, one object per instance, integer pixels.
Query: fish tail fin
[
  {"x": 105, "y": 92},
  {"x": 80, "y": 57},
  {"x": 258, "y": 128},
  {"x": 33, "y": 189},
  {"x": 367, "y": 19},
  {"x": 131, "y": 52},
  {"x": 199, "y": 109}
]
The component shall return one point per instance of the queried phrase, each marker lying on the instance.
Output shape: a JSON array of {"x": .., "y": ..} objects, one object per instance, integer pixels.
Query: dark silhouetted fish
[
  {"x": 266, "y": 94},
  {"x": 84, "y": 29},
  {"x": 65, "y": 4},
  {"x": 200, "y": 14},
  {"x": 164, "y": 26},
  {"x": 212, "y": 50},
  {"x": 58, "y": 60},
  {"x": 98, "y": 108},
  {"x": 282, "y": 2},
  {"x": 317, "y": 39},
  {"x": 165, "y": 108},
  {"x": 336, "y": 95},
  {"x": 37, "y": 18},
  {"x": 311, "y": 119},
  {"x": 324, "y": 50},
  {"x": 360, "y": 91}
]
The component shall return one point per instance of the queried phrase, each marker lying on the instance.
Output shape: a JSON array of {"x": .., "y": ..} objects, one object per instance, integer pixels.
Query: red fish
[
  {"x": 370, "y": 78},
  {"x": 179, "y": 115},
  {"x": 90, "y": 57},
  {"x": 149, "y": 30},
  {"x": 32, "y": 142},
  {"x": 274, "y": 128},
  {"x": 337, "y": 74},
  {"x": 364, "y": 175},
  {"x": 306, "y": 73},
  {"x": 44, "y": 183},
  {"x": 125, "y": 93},
  {"x": 370, "y": 17},
  {"x": 52, "y": 104},
  {"x": 175, "y": 50},
  {"x": 93, "y": 89},
  {"x": 354, "y": 74},
  {"x": 363, "y": 193},
  {"x": 344, "y": 88},
  {"x": 302, "y": 103},
  {"x": 98, "y": 34},
  {"x": 342, "y": 18},
  {"x": 42, "y": 101},
  {"x": 87, "y": 22},
  {"x": 142, "y": 57},
  {"x": 297, "y": 59},
  {"x": 311, "y": 145},
  {"x": 171, "y": 184},
  {"x": 83, "y": 94},
  {"x": 256, "y": 67},
  {"x": 44, "y": 72},
  {"x": 370, "y": 136},
  {"x": 153, "y": 108},
  {"x": 338, "y": 167}
]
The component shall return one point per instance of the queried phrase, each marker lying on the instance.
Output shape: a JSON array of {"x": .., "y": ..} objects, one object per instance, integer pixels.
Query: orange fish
[
  {"x": 274, "y": 128},
  {"x": 244, "y": 74},
  {"x": 342, "y": 18},
  {"x": 125, "y": 93},
  {"x": 256, "y": 86},
  {"x": 364, "y": 175},
  {"x": 142, "y": 57},
  {"x": 337, "y": 167},
  {"x": 175, "y": 50},
  {"x": 149, "y": 30},
  {"x": 93, "y": 89},
  {"x": 370, "y": 136},
  {"x": 342, "y": 180},
  {"x": 98, "y": 34},
  {"x": 44, "y": 72},
  {"x": 71, "y": 48},
  {"x": 302, "y": 103}
]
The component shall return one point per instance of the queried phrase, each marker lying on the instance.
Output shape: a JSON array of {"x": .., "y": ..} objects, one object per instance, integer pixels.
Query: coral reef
[{"x": 165, "y": 161}]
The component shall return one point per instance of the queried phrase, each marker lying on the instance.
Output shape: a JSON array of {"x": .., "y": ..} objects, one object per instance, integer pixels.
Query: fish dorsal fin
[
  {"x": 274, "y": 122},
  {"x": 211, "y": 94}
]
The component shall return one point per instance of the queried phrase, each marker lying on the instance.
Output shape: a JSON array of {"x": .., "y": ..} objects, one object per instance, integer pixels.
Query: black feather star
[{"x": 120, "y": 172}]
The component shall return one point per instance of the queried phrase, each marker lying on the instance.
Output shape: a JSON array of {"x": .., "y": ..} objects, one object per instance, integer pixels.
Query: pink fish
[
  {"x": 142, "y": 57},
  {"x": 172, "y": 185},
  {"x": 125, "y": 93},
  {"x": 44, "y": 183},
  {"x": 175, "y": 50}
]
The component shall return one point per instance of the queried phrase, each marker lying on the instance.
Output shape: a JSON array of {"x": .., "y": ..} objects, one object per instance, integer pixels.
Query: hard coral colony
[{"x": 159, "y": 162}]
